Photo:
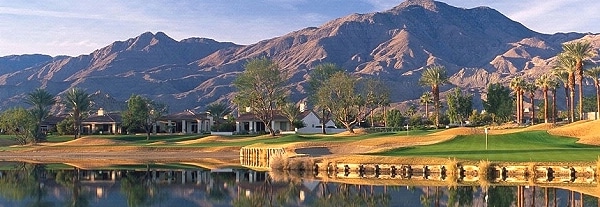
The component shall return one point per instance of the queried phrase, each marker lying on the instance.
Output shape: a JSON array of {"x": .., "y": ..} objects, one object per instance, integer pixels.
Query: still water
[{"x": 24, "y": 184}]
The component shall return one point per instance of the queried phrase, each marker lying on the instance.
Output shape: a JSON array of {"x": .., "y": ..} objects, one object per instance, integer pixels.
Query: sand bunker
[
  {"x": 588, "y": 132},
  {"x": 87, "y": 141},
  {"x": 201, "y": 140},
  {"x": 460, "y": 131}
]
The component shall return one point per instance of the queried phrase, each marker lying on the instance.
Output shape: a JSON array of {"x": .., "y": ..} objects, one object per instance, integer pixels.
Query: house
[
  {"x": 186, "y": 122},
  {"x": 248, "y": 122},
  {"x": 102, "y": 123},
  {"x": 51, "y": 121}
]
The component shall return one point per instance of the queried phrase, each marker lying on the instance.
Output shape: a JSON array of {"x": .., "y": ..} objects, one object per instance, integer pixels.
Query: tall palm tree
[
  {"x": 567, "y": 66},
  {"x": 79, "y": 102},
  {"x": 41, "y": 101},
  {"x": 426, "y": 99},
  {"x": 579, "y": 52},
  {"x": 553, "y": 86},
  {"x": 545, "y": 83},
  {"x": 531, "y": 88},
  {"x": 435, "y": 76},
  {"x": 562, "y": 76},
  {"x": 594, "y": 73},
  {"x": 518, "y": 84}
]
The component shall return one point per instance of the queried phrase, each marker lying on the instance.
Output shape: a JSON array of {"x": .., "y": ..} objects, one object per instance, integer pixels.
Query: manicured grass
[{"x": 517, "y": 147}]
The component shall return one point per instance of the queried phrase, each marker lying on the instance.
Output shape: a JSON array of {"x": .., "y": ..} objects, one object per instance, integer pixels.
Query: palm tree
[
  {"x": 41, "y": 101},
  {"x": 79, "y": 102},
  {"x": 594, "y": 73},
  {"x": 567, "y": 66},
  {"x": 545, "y": 83},
  {"x": 426, "y": 99},
  {"x": 518, "y": 84},
  {"x": 579, "y": 52},
  {"x": 435, "y": 76},
  {"x": 531, "y": 88},
  {"x": 553, "y": 86}
]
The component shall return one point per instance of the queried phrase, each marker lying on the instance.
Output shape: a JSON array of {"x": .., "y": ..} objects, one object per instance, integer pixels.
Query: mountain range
[{"x": 478, "y": 46}]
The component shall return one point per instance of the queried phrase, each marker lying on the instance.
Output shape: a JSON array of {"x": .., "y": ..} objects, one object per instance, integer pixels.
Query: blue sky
[{"x": 75, "y": 27}]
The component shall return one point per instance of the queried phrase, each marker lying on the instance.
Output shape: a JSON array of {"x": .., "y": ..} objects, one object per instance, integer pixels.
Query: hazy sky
[{"x": 75, "y": 27}]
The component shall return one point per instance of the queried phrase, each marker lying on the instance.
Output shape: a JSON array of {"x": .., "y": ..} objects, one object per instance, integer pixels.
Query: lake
[{"x": 27, "y": 184}]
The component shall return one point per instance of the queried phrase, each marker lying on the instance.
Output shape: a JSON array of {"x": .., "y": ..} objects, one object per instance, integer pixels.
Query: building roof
[
  {"x": 53, "y": 119},
  {"x": 276, "y": 117},
  {"x": 187, "y": 115},
  {"x": 113, "y": 117}
]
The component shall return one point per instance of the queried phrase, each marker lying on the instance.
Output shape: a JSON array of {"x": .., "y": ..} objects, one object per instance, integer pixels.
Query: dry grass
[
  {"x": 283, "y": 162},
  {"x": 358, "y": 131},
  {"x": 483, "y": 173}
]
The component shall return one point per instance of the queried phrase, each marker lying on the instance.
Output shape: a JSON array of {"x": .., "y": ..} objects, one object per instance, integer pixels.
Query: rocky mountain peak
[{"x": 426, "y": 4}]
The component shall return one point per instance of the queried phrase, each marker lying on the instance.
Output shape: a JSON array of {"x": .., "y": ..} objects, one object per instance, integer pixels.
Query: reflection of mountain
[{"x": 478, "y": 46}]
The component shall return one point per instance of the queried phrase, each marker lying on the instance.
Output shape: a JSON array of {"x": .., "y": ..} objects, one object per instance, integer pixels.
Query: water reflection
[{"x": 24, "y": 184}]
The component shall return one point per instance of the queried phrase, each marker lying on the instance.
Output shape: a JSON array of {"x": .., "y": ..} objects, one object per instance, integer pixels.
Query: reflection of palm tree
[{"x": 425, "y": 198}]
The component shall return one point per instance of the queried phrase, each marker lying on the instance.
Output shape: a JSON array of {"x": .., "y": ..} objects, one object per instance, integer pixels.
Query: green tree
[
  {"x": 460, "y": 106},
  {"x": 79, "y": 102},
  {"x": 498, "y": 103},
  {"x": 375, "y": 93},
  {"x": 351, "y": 99},
  {"x": 434, "y": 77},
  {"x": 143, "y": 113},
  {"x": 20, "y": 123},
  {"x": 545, "y": 82},
  {"x": 594, "y": 74},
  {"x": 579, "y": 52},
  {"x": 317, "y": 78},
  {"x": 567, "y": 66},
  {"x": 261, "y": 87},
  {"x": 291, "y": 112},
  {"x": 218, "y": 111},
  {"x": 426, "y": 99},
  {"x": 41, "y": 101},
  {"x": 65, "y": 126},
  {"x": 395, "y": 119}
]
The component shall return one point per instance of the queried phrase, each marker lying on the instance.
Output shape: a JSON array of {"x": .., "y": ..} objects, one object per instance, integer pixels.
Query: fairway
[{"x": 517, "y": 147}]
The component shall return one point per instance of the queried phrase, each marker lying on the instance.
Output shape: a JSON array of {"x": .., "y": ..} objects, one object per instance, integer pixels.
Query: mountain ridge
[{"x": 478, "y": 46}]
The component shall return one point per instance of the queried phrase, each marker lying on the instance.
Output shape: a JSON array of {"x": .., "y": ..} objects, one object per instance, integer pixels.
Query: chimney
[
  {"x": 100, "y": 112},
  {"x": 303, "y": 106}
]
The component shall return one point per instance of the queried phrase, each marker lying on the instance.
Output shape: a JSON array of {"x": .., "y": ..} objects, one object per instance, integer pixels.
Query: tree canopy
[
  {"x": 40, "y": 101},
  {"x": 434, "y": 76},
  {"x": 351, "y": 99},
  {"x": 499, "y": 103},
  {"x": 261, "y": 88},
  {"x": 20, "y": 123},
  {"x": 79, "y": 103},
  {"x": 142, "y": 113}
]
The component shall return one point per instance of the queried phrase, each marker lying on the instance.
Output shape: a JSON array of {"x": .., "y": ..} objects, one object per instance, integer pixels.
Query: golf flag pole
[{"x": 486, "y": 137}]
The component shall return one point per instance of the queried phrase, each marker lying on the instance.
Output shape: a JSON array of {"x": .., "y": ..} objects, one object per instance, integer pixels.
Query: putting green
[{"x": 537, "y": 146}]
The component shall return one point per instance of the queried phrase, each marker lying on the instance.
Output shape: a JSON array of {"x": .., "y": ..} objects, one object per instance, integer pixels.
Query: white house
[{"x": 248, "y": 122}]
